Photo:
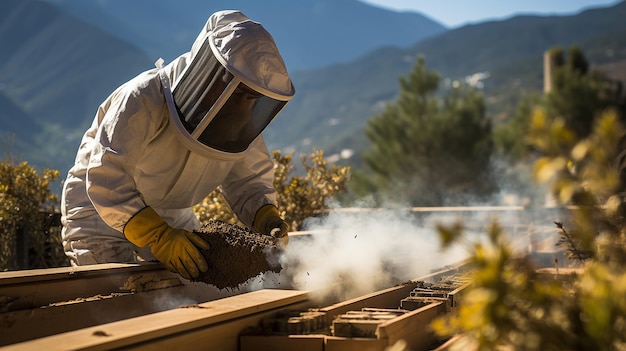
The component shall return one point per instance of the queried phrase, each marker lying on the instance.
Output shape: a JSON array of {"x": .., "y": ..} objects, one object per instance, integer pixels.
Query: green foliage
[
  {"x": 509, "y": 138},
  {"x": 577, "y": 94},
  {"x": 584, "y": 175},
  {"x": 577, "y": 138},
  {"x": 509, "y": 303},
  {"x": 427, "y": 149},
  {"x": 395, "y": 132},
  {"x": 299, "y": 196},
  {"x": 25, "y": 197},
  {"x": 304, "y": 196},
  {"x": 215, "y": 207}
]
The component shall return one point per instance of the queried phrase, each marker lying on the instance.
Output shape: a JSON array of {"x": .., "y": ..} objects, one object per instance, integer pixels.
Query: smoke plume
[{"x": 345, "y": 255}]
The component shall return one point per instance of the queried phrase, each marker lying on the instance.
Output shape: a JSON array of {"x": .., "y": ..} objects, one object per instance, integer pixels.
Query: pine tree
[
  {"x": 578, "y": 93},
  {"x": 428, "y": 151}
]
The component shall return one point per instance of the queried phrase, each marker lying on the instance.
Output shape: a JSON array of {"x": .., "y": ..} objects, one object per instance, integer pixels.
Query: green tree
[
  {"x": 514, "y": 154},
  {"x": 429, "y": 151},
  {"x": 510, "y": 140},
  {"x": 578, "y": 93}
]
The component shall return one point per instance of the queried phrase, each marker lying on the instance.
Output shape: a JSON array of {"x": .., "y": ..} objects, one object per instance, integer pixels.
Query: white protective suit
[{"x": 135, "y": 153}]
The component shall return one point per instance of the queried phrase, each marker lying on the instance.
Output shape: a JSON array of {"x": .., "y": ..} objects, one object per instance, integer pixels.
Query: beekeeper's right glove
[{"x": 176, "y": 248}]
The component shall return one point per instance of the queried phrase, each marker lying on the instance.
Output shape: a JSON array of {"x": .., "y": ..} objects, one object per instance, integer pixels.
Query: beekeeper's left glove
[
  {"x": 267, "y": 221},
  {"x": 176, "y": 248}
]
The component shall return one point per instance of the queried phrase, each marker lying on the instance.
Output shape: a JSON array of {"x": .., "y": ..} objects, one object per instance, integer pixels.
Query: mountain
[
  {"x": 55, "y": 68},
  {"x": 16, "y": 126},
  {"x": 61, "y": 58},
  {"x": 54, "y": 72},
  {"x": 15, "y": 120},
  {"x": 332, "y": 105},
  {"x": 310, "y": 34}
]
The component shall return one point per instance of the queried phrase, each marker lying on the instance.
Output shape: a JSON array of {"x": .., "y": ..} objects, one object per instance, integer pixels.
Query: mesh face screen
[{"x": 242, "y": 118}]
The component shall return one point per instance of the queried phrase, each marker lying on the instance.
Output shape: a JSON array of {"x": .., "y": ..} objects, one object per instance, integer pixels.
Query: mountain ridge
[
  {"x": 56, "y": 69},
  {"x": 58, "y": 79},
  {"x": 454, "y": 54},
  {"x": 333, "y": 30}
]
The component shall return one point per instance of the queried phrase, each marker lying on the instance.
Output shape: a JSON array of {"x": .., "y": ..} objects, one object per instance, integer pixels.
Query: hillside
[
  {"x": 13, "y": 119},
  {"x": 56, "y": 69},
  {"x": 333, "y": 104},
  {"x": 311, "y": 34},
  {"x": 54, "y": 72}
]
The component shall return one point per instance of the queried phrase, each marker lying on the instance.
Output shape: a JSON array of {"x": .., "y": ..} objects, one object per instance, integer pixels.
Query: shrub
[
  {"x": 299, "y": 196},
  {"x": 25, "y": 205},
  {"x": 510, "y": 305}
]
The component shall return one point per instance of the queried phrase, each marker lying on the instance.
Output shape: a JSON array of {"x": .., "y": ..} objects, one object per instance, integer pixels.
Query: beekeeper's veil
[{"x": 234, "y": 85}]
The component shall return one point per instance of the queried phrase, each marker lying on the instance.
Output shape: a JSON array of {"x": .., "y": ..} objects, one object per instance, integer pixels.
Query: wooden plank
[
  {"x": 566, "y": 272},
  {"x": 413, "y": 327},
  {"x": 38, "y": 275},
  {"x": 41, "y": 287},
  {"x": 431, "y": 209},
  {"x": 24, "y": 325},
  {"x": 458, "y": 342},
  {"x": 363, "y": 323},
  {"x": 189, "y": 326},
  {"x": 29, "y": 324},
  {"x": 387, "y": 298},
  {"x": 38, "y": 303},
  {"x": 457, "y": 294},
  {"x": 282, "y": 343},
  {"x": 354, "y": 344},
  {"x": 411, "y": 303},
  {"x": 222, "y": 336},
  {"x": 468, "y": 209},
  {"x": 445, "y": 271}
]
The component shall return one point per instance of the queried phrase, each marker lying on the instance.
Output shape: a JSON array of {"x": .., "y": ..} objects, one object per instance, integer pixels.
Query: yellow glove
[
  {"x": 176, "y": 248},
  {"x": 267, "y": 221}
]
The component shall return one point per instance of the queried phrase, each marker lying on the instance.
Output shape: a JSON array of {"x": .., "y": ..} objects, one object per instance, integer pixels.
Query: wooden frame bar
[
  {"x": 210, "y": 325},
  {"x": 43, "y": 302}
]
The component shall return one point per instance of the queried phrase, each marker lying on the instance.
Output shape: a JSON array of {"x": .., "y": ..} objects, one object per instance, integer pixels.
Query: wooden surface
[
  {"x": 189, "y": 326},
  {"x": 215, "y": 324},
  {"x": 29, "y": 324},
  {"x": 413, "y": 327},
  {"x": 39, "y": 303},
  {"x": 48, "y": 274},
  {"x": 387, "y": 298},
  {"x": 282, "y": 343},
  {"x": 354, "y": 344},
  {"x": 42, "y": 287}
]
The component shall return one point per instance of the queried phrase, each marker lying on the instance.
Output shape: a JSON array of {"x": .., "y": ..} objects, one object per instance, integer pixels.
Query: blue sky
[{"x": 454, "y": 13}]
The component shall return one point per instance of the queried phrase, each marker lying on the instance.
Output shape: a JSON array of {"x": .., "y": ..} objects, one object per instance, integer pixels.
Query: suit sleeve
[
  {"x": 125, "y": 129},
  {"x": 250, "y": 183}
]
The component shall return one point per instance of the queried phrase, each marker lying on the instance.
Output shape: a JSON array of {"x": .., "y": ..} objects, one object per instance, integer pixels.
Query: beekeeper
[{"x": 164, "y": 140}]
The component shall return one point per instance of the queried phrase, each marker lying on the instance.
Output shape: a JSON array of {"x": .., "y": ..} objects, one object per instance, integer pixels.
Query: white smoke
[{"x": 351, "y": 254}]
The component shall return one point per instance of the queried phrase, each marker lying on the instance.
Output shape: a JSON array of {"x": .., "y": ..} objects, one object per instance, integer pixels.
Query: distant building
[
  {"x": 548, "y": 68},
  {"x": 613, "y": 75}
]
